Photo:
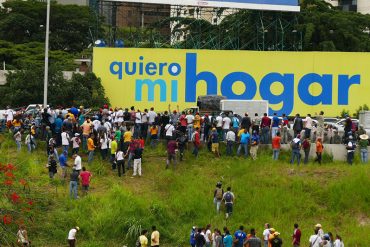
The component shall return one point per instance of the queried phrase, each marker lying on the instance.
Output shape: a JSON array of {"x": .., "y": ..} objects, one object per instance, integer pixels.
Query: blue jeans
[
  {"x": 137, "y": 130},
  {"x": 65, "y": 148},
  {"x": 243, "y": 146},
  {"x": 31, "y": 147},
  {"x": 350, "y": 156},
  {"x": 218, "y": 204},
  {"x": 90, "y": 157},
  {"x": 364, "y": 155},
  {"x": 130, "y": 159},
  {"x": 73, "y": 189},
  {"x": 275, "y": 154},
  {"x": 296, "y": 154},
  {"x": 196, "y": 151},
  {"x": 190, "y": 131},
  {"x": 274, "y": 131},
  {"x": 84, "y": 142},
  {"x": 19, "y": 145},
  {"x": 229, "y": 147},
  {"x": 265, "y": 135}
]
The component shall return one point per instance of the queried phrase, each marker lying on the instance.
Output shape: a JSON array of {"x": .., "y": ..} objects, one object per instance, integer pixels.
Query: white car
[{"x": 340, "y": 124}]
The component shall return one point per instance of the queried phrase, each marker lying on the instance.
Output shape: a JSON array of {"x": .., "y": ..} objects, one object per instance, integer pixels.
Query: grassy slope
[{"x": 334, "y": 194}]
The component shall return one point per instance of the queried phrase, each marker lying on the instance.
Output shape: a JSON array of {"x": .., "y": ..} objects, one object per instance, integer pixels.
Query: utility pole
[{"x": 46, "y": 69}]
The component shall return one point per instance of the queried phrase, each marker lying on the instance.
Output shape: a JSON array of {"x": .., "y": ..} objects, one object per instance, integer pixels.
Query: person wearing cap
[
  {"x": 75, "y": 143},
  {"x": 271, "y": 236},
  {"x": 72, "y": 236},
  {"x": 296, "y": 147},
  {"x": 319, "y": 150},
  {"x": 243, "y": 143},
  {"x": 174, "y": 116},
  {"x": 276, "y": 241},
  {"x": 214, "y": 138},
  {"x": 192, "y": 236},
  {"x": 351, "y": 147},
  {"x": 364, "y": 143},
  {"x": 255, "y": 140},
  {"x": 319, "y": 230},
  {"x": 52, "y": 166}
]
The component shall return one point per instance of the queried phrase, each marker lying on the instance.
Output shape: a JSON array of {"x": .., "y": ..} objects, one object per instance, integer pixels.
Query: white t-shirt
[
  {"x": 308, "y": 121},
  {"x": 189, "y": 118},
  {"x": 104, "y": 143},
  {"x": 78, "y": 163},
  {"x": 72, "y": 234},
  {"x": 169, "y": 129},
  {"x": 96, "y": 124},
  {"x": 219, "y": 121},
  {"x": 315, "y": 241},
  {"x": 138, "y": 117},
  {"x": 119, "y": 116},
  {"x": 75, "y": 142},
  {"x": 65, "y": 139},
  {"x": 227, "y": 122},
  {"x": 208, "y": 235},
  {"x": 144, "y": 117},
  {"x": 152, "y": 116},
  {"x": 338, "y": 243},
  {"x": 230, "y": 136},
  {"x": 9, "y": 115},
  {"x": 266, "y": 234},
  {"x": 119, "y": 155}
]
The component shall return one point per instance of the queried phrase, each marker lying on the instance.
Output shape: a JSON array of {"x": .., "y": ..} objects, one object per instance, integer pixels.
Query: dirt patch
[{"x": 363, "y": 220}]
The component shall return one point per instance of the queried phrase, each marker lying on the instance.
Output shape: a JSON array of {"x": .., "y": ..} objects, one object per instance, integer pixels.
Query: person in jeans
[
  {"x": 276, "y": 140},
  {"x": 171, "y": 153},
  {"x": 228, "y": 198},
  {"x": 296, "y": 146},
  {"x": 363, "y": 143},
  {"x": 306, "y": 146},
  {"x": 73, "y": 183},
  {"x": 90, "y": 148},
  {"x": 351, "y": 147},
  {"x": 230, "y": 140},
  {"x": 218, "y": 195},
  {"x": 265, "y": 128},
  {"x": 275, "y": 125},
  {"x": 120, "y": 161},
  {"x": 319, "y": 149},
  {"x": 244, "y": 141}
]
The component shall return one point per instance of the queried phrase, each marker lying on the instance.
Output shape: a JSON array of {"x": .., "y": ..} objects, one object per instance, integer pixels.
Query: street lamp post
[{"x": 46, "y": 69}]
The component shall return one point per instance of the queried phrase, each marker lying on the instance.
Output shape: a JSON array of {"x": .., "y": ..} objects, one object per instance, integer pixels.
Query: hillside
[{"x": 333, "y": 194}]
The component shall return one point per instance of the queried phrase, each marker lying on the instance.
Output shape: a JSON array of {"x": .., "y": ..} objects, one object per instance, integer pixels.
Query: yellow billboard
[{"x": 292, "y": 82}]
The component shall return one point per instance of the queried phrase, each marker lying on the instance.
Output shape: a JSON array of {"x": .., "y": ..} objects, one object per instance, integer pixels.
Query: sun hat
[
  {"x": 272, "y": 229},
  {"x": 77, "y": 228},
  {"x": 276, "y": 234},
  {"x": 318, "y": 225},
  {"x": 364, "y": 137},
  {"x": 77, "y": 134}
]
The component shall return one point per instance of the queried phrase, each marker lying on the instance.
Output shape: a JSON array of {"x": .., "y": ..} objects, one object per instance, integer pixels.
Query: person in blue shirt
[
  {"x": 240, "y": 236},
  {"x": 192, "y": 236},
  {"x": 228, "y": 239},
  {"x": 58, "y": 129},
  {"x": 255, "y": 140},
  {"x": 275, "y": 125},
  {"x": 63, "y": 163},
  {"x": 244, "y": 141}
]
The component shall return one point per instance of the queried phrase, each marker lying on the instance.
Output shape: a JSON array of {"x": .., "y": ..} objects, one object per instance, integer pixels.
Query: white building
[
  {"x": 335, "y": 3},
  {"x": 363, "y": 6}
]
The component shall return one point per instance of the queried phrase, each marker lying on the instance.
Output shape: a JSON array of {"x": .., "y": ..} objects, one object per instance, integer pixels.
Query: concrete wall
[{"x": 338, "y": 151}]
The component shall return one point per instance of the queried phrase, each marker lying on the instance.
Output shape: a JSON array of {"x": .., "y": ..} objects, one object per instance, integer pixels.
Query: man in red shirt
[
  {"x": 296, "y": 236},
  {"x": 196, "y": 141},
  {"x": 276, "y": 146},
  {"x": 85, "y": 177},
  {"x": 183, "y": 122},
  {"x": 265, "y": 128}
]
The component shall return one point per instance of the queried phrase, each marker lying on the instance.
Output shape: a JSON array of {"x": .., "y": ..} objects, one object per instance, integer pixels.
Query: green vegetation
[{"x": 333, "y": 194}]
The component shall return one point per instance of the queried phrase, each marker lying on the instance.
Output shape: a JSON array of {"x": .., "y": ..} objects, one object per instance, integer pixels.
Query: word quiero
[{"x": 163, "y": 74}]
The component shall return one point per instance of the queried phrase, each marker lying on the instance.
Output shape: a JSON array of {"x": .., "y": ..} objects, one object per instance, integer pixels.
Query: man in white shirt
[
  {"x": 169, "y": 128},
  {"x": 190, "y": 120},
  {"x": 65, "y": 141},
  {"x": 9, "y": 117},
  {"x": 226, "y": 121},
  {"x": 208, "y": 236},
  {"x": 219, "y": 123},
  {"x": 308, "y": 126},
  {"x": 72, "y": 236},
  {"x": 151, "y": 116},
  {"x": 315, "y": 240},
  {"x": 77, "y": 163},
  {"x": 230, "y": 140},
  {"x": 138, "y": 122},
  {"x": 266, "y": 234},
  {"x": 120, "y": 159}
]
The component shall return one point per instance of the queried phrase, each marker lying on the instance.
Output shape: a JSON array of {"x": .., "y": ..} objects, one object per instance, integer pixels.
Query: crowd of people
[
  {"x": 204, "y": 237},
  {"x": 122, "y": 134}
]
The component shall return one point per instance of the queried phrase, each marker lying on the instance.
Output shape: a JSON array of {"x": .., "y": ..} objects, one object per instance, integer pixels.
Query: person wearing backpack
[
  {"x": 217, "y": 196},
  {"x": 296, "y": 146},
  {"x": 228, "y": 198},
  {"x": 351, "y": 147},
  {"x": 306, "y": 146}
]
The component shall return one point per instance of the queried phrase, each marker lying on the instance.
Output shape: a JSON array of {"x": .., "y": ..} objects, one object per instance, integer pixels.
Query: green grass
[{"x": 333, "y": 194}]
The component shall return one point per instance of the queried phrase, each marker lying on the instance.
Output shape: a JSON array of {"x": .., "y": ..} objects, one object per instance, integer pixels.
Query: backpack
[
  {"x": 228, "y": 197},
  {"x": 305, "y": 144},
  {"x": 218, "y": 194},
  {"x": 294, "y": 145}
]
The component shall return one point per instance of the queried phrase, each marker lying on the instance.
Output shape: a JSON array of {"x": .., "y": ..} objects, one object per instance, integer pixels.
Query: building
[{"x": 363, "y": 6}]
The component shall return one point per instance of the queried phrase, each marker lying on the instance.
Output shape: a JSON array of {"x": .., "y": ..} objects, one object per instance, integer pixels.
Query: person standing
[
  {"x": 308, "y": 126},
  {"x": 255, "y": 140},
  {"x": 214, "y": 138},
  {"x": 338, "y": 241},
  {"x": 265, "y": 128},
  {"x": 228, "y": 239},
  {"x": 73, "y": 184},
  {"x": 85, "y": 177},
  {"x": 226, "y": 122},
  {"x": 171, "y": 153},
  {"x": 230, "y": 140},
  {"x": 104, "y": 146},
  {"x": 154, "y": 237},
  {"x": 275, "y": 125},
  {"x": 319, "y": 150},
  {"x": 235, "y": 123},
  {"x": 246, "y": 122},
  {"x": 192, "y": 236},
  {"x": 52, "y": 166},
  {"x": 65, "y": 140},
  {"x": 63, "y": 164},
  {"x": 306, "y": 146},
  {"x": 297, "y": 124},
  {"x": 196, "y": 142},
  {"x": 208, "y": 236},
  {"x": 120, "y": 161},
  {"x": 143, "y": 240},
  {"x": 351, "y": 147},
  {"x": 296, "y": 146},
  {"x": 266, "y": 234},
  {"x": 77, "y": 163},
  {"x": 276, "y": 241},
  {"x": 256, "y": 123},
  {"x": 363, "y": 143},
  {"x": 137, "y": 155},
  {"x": 90, "y": 148},
  {"x": 22, "y": 237},
  {"x": 217, "y": 196},
  {"x": 240, "y": 236},
  {"x": 189, "y": 123},
  {"x": 228, "y": 198},
  {"x": 296, "y": 236},
  {"x": 244, "y": 141},
  {"x": 320, "y": 125},
  {"x": 72, "y": 236},
  {"x": 18, "y": 140},
  {"x": 75, "y": 143},
  {"x": 284, "y": 129},
  {"x": 253, "y": 241},
  {"x": 276, "y": 140},
  {"x": 315, "y": 239},
  {"x": 200, "y": 240}
]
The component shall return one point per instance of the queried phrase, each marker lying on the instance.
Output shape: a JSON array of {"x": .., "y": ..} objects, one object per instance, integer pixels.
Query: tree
[
  {"x": 72, "y": 27},
  {"x": 26, "y": 86}
]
